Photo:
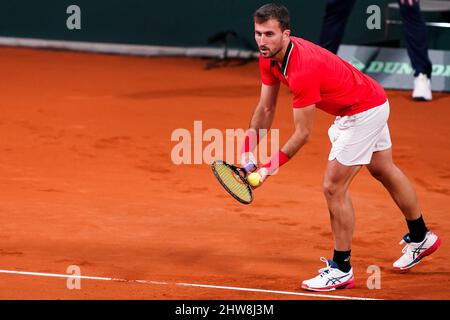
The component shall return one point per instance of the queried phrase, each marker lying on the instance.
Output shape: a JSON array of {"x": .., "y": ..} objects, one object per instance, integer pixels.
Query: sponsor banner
[{"x": 391, "y": 67}]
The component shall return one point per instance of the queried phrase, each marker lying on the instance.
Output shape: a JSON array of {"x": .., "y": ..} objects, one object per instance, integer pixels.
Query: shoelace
[
  {"x": 324, "y": 271},
  {"x": 405, "y": 248},
  {"x": 408, "y": 242},
  {"x": 327, "y": 269}
]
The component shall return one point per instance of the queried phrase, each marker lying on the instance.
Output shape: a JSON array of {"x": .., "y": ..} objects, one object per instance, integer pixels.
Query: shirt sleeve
[
  {"x": 267, "y": 77},
  {"x": 306, "y": 91}
]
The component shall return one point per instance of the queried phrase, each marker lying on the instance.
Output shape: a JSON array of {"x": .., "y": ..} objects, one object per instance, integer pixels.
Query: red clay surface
[{"x": 86, "y": 179}]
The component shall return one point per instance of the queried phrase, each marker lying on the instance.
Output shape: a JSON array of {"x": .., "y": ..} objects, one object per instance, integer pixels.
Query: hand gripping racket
[{"x": 234, "y": 180}]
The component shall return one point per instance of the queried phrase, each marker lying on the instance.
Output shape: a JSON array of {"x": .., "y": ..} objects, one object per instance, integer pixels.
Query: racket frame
[{"x": 240, "y": 172}]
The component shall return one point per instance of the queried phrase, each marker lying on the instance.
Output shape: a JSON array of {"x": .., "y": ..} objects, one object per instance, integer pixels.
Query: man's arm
[
  {"x": 262, "y": 119},
  {"x": 265, "y": 109},
  {"x": 303, "y": 122}
]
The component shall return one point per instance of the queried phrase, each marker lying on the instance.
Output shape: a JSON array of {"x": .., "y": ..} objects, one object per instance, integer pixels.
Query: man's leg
[
  {"x": 420, "y": 242},
  {"x": 336, "y": 181},
  {"x": 333, "y": 23},
  {"x": 338, "y": 274},
  {"x": 394, "y": 180},
  {"x": 415, "y": 32}
]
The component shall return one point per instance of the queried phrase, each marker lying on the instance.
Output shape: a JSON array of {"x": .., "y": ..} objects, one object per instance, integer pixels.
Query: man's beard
[{"x": 270, "y": 54}]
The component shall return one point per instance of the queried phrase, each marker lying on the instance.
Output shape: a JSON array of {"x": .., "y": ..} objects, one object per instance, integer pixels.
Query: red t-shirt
[{"x": 316, "y": 76}]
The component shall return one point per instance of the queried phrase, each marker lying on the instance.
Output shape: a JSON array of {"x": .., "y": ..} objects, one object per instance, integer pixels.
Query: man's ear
[{"x": 287, "y": 33}]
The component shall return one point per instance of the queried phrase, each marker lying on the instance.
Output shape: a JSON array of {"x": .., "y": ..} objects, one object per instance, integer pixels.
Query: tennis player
[{"x": 359, "y": 136}]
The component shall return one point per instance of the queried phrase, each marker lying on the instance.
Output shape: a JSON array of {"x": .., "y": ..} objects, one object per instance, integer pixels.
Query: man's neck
[{"x": 280, "y": 55}]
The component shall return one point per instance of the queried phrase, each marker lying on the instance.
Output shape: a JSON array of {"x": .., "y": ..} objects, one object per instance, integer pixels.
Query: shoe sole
[
  {"x": 421, "y": 99},
  {"x": 427, "y": 252},
  {"x": 346, "y": 285}
]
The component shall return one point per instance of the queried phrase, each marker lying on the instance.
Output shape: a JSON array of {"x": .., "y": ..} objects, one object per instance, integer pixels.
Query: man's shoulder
[
  {"x": 302, "y": 42},
  {"x": 305, "y": 58}
]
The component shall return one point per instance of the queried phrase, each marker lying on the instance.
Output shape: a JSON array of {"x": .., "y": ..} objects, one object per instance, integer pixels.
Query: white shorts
[{"x": 355, "y": 138}]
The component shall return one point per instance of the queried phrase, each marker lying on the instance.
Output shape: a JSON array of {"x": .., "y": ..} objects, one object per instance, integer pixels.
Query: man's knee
[{"x": 332, "y": 189}]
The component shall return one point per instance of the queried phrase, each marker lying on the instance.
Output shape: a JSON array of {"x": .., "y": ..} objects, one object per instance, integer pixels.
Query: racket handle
[{"x": 249, "y": 166}]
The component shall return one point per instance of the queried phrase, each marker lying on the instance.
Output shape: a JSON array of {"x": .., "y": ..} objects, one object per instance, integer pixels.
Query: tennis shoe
[
  {"x": 330, "y": 278},
  {"x": 414, "y": 252},
  {"x": 422, "y": 88}
]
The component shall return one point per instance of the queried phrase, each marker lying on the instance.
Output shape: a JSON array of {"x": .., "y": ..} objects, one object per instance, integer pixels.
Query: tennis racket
[{"x": 234, "y": 180}]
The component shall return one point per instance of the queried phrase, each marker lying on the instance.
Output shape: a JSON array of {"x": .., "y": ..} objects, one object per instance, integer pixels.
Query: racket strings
[{"x": 233, "y": 182}]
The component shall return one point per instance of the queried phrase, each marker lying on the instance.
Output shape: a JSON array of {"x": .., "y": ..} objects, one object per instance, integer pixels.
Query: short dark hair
[{"x": 273, "y": 11}]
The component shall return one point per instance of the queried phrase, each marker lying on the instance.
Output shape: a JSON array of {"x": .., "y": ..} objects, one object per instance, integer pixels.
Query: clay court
[{"x": 86, "y": 179}]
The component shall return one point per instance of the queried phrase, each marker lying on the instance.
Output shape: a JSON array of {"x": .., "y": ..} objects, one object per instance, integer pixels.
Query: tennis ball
[{"x": 254, "y": 179}]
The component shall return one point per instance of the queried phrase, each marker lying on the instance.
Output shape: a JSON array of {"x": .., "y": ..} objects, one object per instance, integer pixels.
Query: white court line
[
  {"x": 275, "y": 291},
  {"x": 57, "y": 275}
]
